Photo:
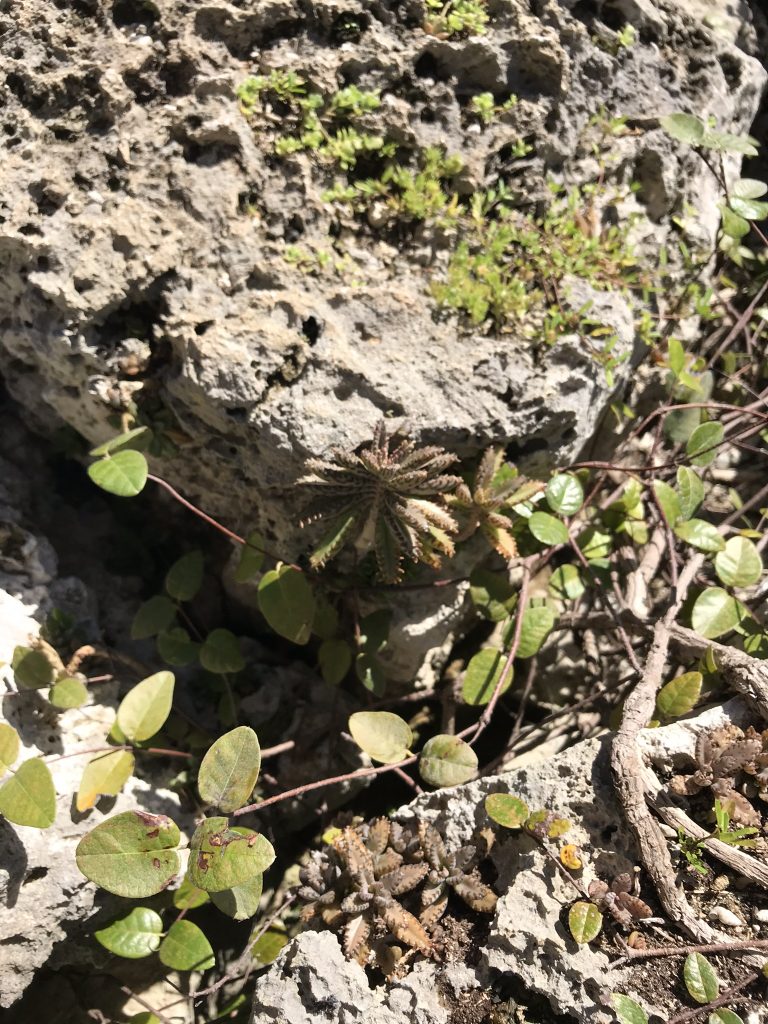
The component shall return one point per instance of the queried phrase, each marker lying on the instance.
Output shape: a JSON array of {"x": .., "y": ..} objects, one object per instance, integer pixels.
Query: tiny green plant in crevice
[
  {"x": 455, "y": 18},
  {"x": 486, "y": 109}
]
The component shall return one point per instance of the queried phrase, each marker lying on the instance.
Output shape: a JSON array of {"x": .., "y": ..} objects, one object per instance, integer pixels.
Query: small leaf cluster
[{"x": 447, "y": 19}]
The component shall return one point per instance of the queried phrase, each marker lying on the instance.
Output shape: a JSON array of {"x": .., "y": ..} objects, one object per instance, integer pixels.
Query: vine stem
[
  {"x": 630, "y": 953},
  {"x": 723, "y": 1000}
]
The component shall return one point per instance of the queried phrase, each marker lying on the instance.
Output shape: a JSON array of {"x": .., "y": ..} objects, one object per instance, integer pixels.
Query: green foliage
[
  {"x": 132, "y": 854},
  {"x": 507, "y": 810},
  {"x": 628, "y": 1011},
  {"x": 31, "y": 668},
  {"x": 680, "y": 695},
  {"x": 68, "y": 692},
  {"x": 134, "y": 936},
  {"x": 584, "y": 922},
  {"x": 123, "y": 474},
  {"x": 145, "y": 708},
  {"x": 241, "y": 901},
  {"x": 700, "y": 978},
  {"x": 447, "y": 761},
  {"x": 185, "y": 948},
  {"x": 229, "y": 770},
  {"x": 715, "y": 613},
  {"x": 220, "y": 653},
  {"x": 383, "y": 736},
  {"x": 9, "y": 747},
  {"x": 287, "y": 603},
  {"x": 223, "y": 858},
  {"x": 450, "y": 18},
  {"x": 104, "y": 775},
  {"x": 28, "y": 797},
  {"x": 185, "y": 577},
  {"x": 482, "y": 676}
]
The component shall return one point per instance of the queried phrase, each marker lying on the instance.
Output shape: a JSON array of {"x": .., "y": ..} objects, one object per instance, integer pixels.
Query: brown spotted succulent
[
  {"x": 456, "y": 870},
  {"x": 387, "y": 496}
]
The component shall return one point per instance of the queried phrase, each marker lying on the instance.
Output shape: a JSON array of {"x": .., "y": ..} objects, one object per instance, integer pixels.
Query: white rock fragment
[{"x": 725, "y": 917}]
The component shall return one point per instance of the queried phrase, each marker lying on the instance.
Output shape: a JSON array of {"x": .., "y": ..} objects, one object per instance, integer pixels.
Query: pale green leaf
[
  {"x": 145, "y": 708},
  {"x": 690, "y": 490},
  {"x": 564, "y": 494},
  {"x": 507, "y": 810},
  {"x": 668, "y": 501},
  {"x": 679, "y": 695},
  {"x": 135, "y": 438},
  {"x": 749, "y": 209},
  {"x": 700, "y": 978},
  {"x": 547, "y": 529},
  {"x": 700, "y": 534},
  {"x": 724, "y": 1016},
  {"x": 242, "y": 901},
  {"x": 153, "y": 617},
  {"x": 627, "y": 1010},
  {"x": 185, "y": 948},
  {"x": 594, "y": 544},
  {"x": 69, "y": 692},
  {"x": 716, "y": 612},
  {"x": 229, "y": 769},
  {"x": 538, "y": 622},
  {"x": 104, "y": 775},
  {"x": 584, "y": 921},
  {"x": 133, "y": 854},
  {"x": 749, "y": 188},
  {"x": 221, "y": 857},
  {"x": 221, "y": 653},
  {"x": 31, "y": 669},
  {"x": 9, "y": 746},
  {"x": 482, "y": 675},
  {"x": 384, "y": 736},
  {"x": 287, "y": 603},
  {"x": 123, "y": 474},
  {"x": 28, "y": 796},
  {"x": 739, "y": 564},
  {"x": 566, "y": 583},
  {"x": 185, "y": 577},
  {"x": 188, "y": 896},
  {"x": 134, "y": 936},
  {"x": 268, "y": 946},
  {"x": 447, "y": 761},
  {"x": 176, "y": 647},
  {"x": 703, "y": 443},
  {"x": 684, "y": 127}
]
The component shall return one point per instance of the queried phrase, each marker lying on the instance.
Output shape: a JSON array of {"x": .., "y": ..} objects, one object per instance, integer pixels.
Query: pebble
[
  {"x": 725, "y": 917},
  {"x": 761, "y": 916}
]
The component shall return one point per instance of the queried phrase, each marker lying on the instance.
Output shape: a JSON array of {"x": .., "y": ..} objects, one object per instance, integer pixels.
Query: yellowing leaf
[
  {"x": 69, "y": 692},
  {"x": 9, "y": 746},
  {"x": 132, "y": 854},
  {"x": 229, "y": 769},
  {"x": 569, "y": 857},
  {"x": 507, "y": 810},
  {"x": 382, "y": 735},
  {"x": 28, "y": 796},
  {"x": 447, "y": 761},
  {"x": 144, "y": 709},
  {"x": 679, "y": 696},
  {"x": 584, "y": 921},
  {"x": 104, "y": 775}
]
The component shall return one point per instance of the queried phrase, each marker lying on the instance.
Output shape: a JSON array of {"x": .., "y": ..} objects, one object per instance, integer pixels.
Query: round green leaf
[
  {"x": 335, "y": 658},
  {"x": 188, "y": 896},
  {"x": 548, "y": 530},
  {"x": 564, "y": 494},
  {"x": 703, "y": 442},
  {"x": 28, "y": 797},
  {"x": 221, "y": 857},
  {"x": 133, "y": 936},
  {"x": 221, "y": 652},
  {"x": 536, "y": 627},
  {"x": 287, "y": 603},
  {"x": 715, "y": 612},
  {"x": 507, "y": 810},
  {"x": 668, "y": 501},
  {"x": 566, "y": 583},
  {"x": 185, "y": 948},
  {"x": 724, "y": 1016},
  {"x": 69, "y": 692},
  {"x": 447, "y": 761},
  {"x": 144, "y": 709},
  {"x": 31, "y": 669},
  {"x": 185, "y": 577},
  {"x": 9, "y": 746},
  {"x": 482, "y": 675},
  {"x": 176, "y": 647},
  {"x": 748, "y": 188},
  {"x": 700, "y": 534},
  {"x": 749, "y": 209},
  {"x": 268, "y": 947},
  {"x": 690, "y": 491},
  {"x": 684, "y": 127},
  {"x": 679, "y": 696},
  {"x": 251, "y": 558},
  {"x": 153, "y": 617},
  {"x": 627, "y": 1010},
  {"x": 133, "y": 854},
  {"x": 584, "y": 921},
  {"x": 382, "y": 735},
  {"x": 242, "y": 901},
  {"x": 123, "y": 474},
  {"x": 104, "y": 775},
  {"x": 594, "y": 544},
  {"x": 700, "y": 978},
  {"x": 739, "y": 564},
  {"x": 229, "y": 769},
  {"x": 135, "y": 438}
]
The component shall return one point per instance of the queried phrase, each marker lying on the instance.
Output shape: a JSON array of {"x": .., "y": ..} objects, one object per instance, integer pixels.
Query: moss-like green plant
[{"x": 449, "y": 18}]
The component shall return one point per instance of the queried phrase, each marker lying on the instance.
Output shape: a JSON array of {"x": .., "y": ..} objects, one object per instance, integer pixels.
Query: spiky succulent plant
[{"x": 388, "y": 496}]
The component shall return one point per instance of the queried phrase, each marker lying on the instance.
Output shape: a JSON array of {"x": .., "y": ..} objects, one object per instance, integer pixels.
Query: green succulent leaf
[
  {"x": 69, "y": 692},
  {"x": 28, "y": 797},
  {"x": 715, "y": 613},
  {"x": 287, "y": 603},
  {"x": 700, "y": 534},
  {"x": 153, "y": 617},
  {"x": 507, "y": 810},
  {"x": 584, "y": 921},
  {"x": 31, "y": 669},
  {"x": 144, "y": 709},
  {"x": 690, "y": 490},
  {"x": 564, "y": 494},
  {"x": 383, "y": 736},
  {"x": 703, "y": 443},
  {"x": 627, "y": 1010},
  {"x": 132, "y": 854},
  {"x": 242, "y": 901},
  {"x": 700, "y": 978},
  {"x": 222, "y": 858},
  {"x": 185, "y": 577},
  {"x": 251, "y": 558},
  {"x": 482, "y": 675},
  {"x": 679, "y": 695},
  {"x": 333, "y": 541},
  {"x": 547, "y": 529},
  {"x": 134, "y": 936},
  {"x": 9, "y": 746},
  {"x": 335, "y": 658},
  {"x": 447, "y": 761},
  {"x": 104, "y": 775},
  {"x": 220, "y": 653},
  {"x": 739, "y": 563},
  {"x": 123, "y": 474},
  {"x": 230, "y": 769},
  {"x": 185, "y": 948}
]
